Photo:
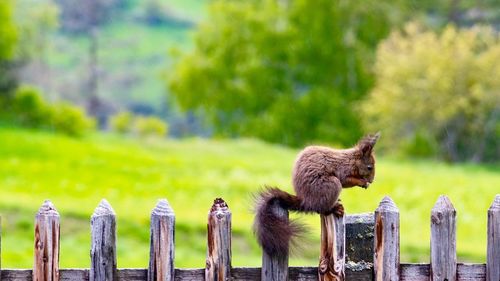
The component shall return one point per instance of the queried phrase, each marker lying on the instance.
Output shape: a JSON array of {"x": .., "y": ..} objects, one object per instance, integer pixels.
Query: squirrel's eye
[{"x": 369, "y": 167}]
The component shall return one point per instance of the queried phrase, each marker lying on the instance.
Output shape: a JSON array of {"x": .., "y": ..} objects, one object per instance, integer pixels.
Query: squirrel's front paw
[{"x": 365, "y": 184}]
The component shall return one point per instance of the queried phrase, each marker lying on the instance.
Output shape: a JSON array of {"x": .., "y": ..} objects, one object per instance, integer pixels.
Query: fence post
[
  {"x": 218, "y": 265},
  {"x": 443, "y": 241},
  {"x": 275, "y": 268},
  {"x": 46, "y": 265},
  {"x": 493, "y": 251},
  {"x": 161, "y": 253},
  {"x": 0, "y": 248},
  {"x": 332, "y": 254},
  {"x": 103, "y": 249},
  {"x": 386, "y": 254}
]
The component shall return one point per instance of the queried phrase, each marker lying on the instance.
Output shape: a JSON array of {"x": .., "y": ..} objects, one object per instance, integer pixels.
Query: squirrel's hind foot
[{"x": 337, "y": 210}]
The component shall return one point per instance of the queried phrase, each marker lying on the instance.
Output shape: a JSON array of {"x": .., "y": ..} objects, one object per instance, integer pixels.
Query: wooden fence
[{"x": 357, "y": 247}]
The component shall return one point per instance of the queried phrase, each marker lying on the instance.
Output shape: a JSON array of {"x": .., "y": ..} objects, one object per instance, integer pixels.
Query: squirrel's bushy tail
[{"x": 272, "y": 227}]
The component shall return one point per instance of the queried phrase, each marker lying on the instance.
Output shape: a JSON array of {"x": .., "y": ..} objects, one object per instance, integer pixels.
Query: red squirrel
[{"x": 319, "y": 174}]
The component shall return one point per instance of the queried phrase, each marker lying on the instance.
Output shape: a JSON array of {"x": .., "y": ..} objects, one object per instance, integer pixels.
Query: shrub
[
  {"x": 70, "y": 120},
  {"x": 122, "y": 122},
  {"x": 443, "y": 86},
  {"x": 147, "y": 126},
  {"x": 421, "y": 144},
  {"x": 126, "y": 122},
  {"x": 29, "y": 109}
]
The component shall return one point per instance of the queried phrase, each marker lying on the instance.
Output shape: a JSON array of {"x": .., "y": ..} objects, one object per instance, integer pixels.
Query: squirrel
[{"x": 319, "y": 174}]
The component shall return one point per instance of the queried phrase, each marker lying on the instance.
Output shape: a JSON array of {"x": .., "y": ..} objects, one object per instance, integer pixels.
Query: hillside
[
  {"x": 134, "y": 53},
  {"x": 133, "y": 174}
]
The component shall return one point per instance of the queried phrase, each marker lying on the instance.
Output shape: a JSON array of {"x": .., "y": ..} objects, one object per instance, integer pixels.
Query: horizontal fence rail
[
  {"x": 409, "y": 272},
  {"x": 356, "y": 247}
]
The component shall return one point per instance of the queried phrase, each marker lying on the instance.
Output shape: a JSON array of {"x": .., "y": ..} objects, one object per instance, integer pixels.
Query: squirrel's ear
[{"x": 367, "y": 143}]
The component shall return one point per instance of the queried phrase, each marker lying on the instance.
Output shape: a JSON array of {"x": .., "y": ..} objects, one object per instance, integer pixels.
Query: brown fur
[{"x": 319, "y": 174}]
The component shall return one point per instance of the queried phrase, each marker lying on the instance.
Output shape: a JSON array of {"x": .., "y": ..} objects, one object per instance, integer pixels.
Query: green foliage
[
  {"x": 446, "y": 85},
  {"x": 70, "y": 120},
  {"x": 421, "y": 144},
  {"x": 122, "y": 122},
  {"x": 8, "y": 31},
  {"x": 8, "y": 40},
  {"x": 285, "y": 72},
  {"x": 29, "y": 108},
  {"x": 125, "y": 122},
  {"x": 132, "y": 174},
  {"x": 150, "y": 126},
  {"x": 36, "y": 21}
]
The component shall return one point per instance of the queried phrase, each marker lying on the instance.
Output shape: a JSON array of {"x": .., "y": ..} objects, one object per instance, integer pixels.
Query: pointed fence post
[
  {"x": 103, "y": 251},
  {"x": 443, "y": 241},
  {"x": 386, "y": 244},
  {"x": 161, "y": 254},
  {"x": 47, "y": 225},
  {"x": 275, "y": 268},
  {"x": 218, "y": 265},
  {"x": 332, "y": 254},
  {"x": 493, "y": 251}
]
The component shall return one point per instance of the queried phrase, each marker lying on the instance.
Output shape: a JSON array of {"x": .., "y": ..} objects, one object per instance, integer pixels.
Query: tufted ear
[{"x": 366, "y": 144}]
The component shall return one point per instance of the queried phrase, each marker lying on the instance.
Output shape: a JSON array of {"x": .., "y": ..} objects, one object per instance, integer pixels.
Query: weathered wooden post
[
  {"x": 275, "y": 268},
  {"x": 0, "y": 248},
  {"x": 443, "y": 241},
  {"x": 103, "y": 249},
  {"x": 332, "y": 253},
  {"x": 46, "y": 252},
  {"x": 161, "y": 253},
  {"x": 218, "y": 265},
  {"x": 386, "y": 254},
  {"x": 493, "y": 251}
]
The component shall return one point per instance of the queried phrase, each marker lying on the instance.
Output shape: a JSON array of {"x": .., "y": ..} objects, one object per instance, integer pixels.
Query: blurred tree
[
  {"x": 82, "y": 16},
  {"x": 37, "y": 21},
  {"x": 284, "y": 71},
  {"x": 85, "y": 17},
  {"x": 8, "y": 41},
  {"x": 439, "y": 90}
]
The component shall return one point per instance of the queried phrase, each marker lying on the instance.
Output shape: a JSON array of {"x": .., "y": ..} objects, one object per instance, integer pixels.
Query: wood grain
[
  {"x": 332, "y": 251},
  {"x": 218, "y": 264},
  {"x": 103, "y": 244},
  {"x": 0, "y": 248},
  {"x": 443, "y": 241},
  {"x": 409, "y": 272},
  {"x": 46, "y": 249},
  {"x": 493, "y": 248},
  {"x": 162, "y": 241},
  {"x": 386, "y": 255}
]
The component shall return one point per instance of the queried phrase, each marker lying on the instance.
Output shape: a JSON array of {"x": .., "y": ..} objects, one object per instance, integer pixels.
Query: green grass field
[{"x": 132, "y": 174}]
